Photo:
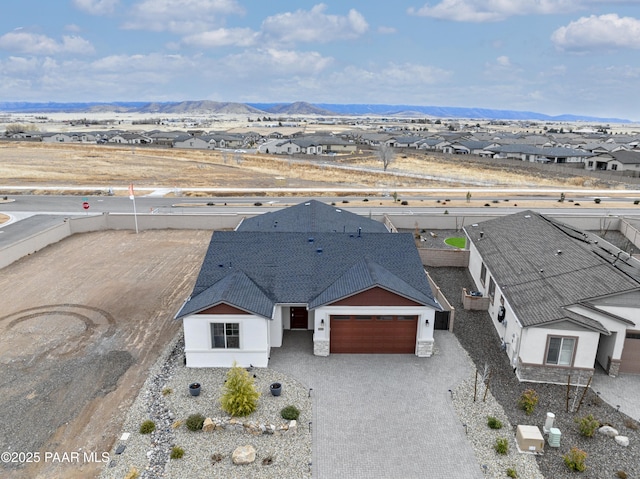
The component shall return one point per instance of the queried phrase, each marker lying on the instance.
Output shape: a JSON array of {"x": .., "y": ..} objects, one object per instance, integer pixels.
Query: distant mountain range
[{"x": 293, "y": 109}]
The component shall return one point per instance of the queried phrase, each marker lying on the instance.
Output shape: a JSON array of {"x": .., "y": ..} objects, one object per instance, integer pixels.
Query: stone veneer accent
[
  {"x": 321, "y": 347},
  {"x": 553, "y": 374},
  {"x": 424, "y": 349},
  {"x": 613, "y": 368}
]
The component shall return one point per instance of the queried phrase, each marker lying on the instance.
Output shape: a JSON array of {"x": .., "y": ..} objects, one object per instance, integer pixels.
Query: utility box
[
  {"x": 529, "y": 439},
  {"x": 554, "y": 437}
]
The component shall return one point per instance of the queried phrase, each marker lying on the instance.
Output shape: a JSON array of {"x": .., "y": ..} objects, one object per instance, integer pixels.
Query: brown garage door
[
  {"x": 630, "y": 360},
  {"x": 373, "y": 334}
]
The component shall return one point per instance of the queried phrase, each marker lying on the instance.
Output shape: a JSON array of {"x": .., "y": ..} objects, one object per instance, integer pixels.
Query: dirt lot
[{"x": 82, "y": 322}]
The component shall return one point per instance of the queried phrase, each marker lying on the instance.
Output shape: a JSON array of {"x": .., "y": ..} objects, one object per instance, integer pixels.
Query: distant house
[
  {"x": 535, "y": 154},
  {"x": 620, "y": 160},
  {"x": 560, "y": 299},
  {"x": 57, "y": 138},
  {"x": 130, "y": 139},
  {"x": 358, "y": 287},
  {"x": 191, "y": 142}
]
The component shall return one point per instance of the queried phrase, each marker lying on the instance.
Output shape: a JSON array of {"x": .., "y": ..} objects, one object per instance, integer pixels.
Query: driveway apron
[{"x": 383, "y": 415}]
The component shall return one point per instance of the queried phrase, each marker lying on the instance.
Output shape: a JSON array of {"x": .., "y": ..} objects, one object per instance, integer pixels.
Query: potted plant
[
  {"x": 275, "y": 388},
  {"x": 194, "y": 389}
]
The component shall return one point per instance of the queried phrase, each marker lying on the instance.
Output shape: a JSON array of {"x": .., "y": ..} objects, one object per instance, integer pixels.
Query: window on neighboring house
[
  {"x": 483, "y": 273},
  {"x": 590, "y": 164},
  {"x": 492, "y": 289},
  {"x": 614, "y": 166},
  {"x": 560, "y": 351},
  {"x": 225, "y": 335}
]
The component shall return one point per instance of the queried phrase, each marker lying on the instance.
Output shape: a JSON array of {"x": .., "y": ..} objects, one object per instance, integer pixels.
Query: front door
[{"x": 299, "y": 318}]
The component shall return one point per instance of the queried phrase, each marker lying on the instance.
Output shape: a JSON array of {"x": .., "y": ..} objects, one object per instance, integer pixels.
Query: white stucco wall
[
  {"x": 254, "y": 341},
  {"x": 534, "y": 343}
]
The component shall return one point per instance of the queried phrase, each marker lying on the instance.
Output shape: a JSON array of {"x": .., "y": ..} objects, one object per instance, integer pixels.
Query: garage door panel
[
  {"x": 630, "y": 359},
  {"x": 373, "y": 336}
]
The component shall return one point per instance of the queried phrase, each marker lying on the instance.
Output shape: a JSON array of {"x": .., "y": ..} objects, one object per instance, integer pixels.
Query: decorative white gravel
[{"x": 290, "y": 454}]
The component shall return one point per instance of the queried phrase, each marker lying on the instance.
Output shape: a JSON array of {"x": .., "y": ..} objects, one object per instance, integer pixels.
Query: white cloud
[
  {"x": 36, "y": 44},
  {"x": 241, "y": 37},
  {"x": 180, "y": 16},
  {"x": 97, "y": 7},
  {"x": 494, "y": 10},
  {"x": 274, "y": 61},
  {"x": 503, "y": 61},
  {"x": 598, "y": 33},
  {"x": 386, "y": 30},
  {"x": 314, "y": 26}
]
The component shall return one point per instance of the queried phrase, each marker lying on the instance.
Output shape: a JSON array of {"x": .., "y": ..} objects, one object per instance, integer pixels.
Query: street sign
[{"x": 85, "y": 205}]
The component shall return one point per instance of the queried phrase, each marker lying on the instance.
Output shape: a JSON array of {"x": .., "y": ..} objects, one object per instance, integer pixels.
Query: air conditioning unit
[{"x": 476, "y": 293}]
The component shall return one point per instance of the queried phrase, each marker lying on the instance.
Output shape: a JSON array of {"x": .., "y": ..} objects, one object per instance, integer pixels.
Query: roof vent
[
  {"x": 481, "y": 234},
  {"x": 307, "y": 204},
  {"x": 338, "y": 211},
  {"x": 559, "y": 252},
  {"x": 310, "y": 240},
  {"x": 319, "y": 250},
  {"x": 527, "y": 216}
]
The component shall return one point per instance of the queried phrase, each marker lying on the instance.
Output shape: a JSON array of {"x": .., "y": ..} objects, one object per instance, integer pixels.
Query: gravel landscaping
[
  {"x": 165, "y": 399},
  {"x": 476, "y": 334}
]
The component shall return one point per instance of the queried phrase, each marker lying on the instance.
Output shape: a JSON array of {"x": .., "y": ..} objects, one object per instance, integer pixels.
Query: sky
[{"x": 549, "y": 56}]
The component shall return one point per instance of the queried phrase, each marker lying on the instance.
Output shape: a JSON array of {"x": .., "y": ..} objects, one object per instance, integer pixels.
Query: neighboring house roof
[
  {"x": 254, "y": 271},
  {"x": 543, "y": 266},
  {"x": 622, "y": 156},
  {"x": 312, "y": 216},
  {"x": 534, "y": 150}
]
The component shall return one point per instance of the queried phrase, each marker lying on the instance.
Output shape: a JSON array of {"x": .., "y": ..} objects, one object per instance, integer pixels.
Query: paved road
[{"x": 383, "y": 416}]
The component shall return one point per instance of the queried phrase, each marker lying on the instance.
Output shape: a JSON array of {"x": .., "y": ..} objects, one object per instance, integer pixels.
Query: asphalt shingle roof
[
  {"x": 291, "y": 268},
  {"x": 541, "y": 266},
  {"x": 312, "y": 216}
]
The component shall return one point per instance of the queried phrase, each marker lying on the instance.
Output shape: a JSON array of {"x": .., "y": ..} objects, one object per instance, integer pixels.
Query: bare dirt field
[{"x": 82, "y": 321}]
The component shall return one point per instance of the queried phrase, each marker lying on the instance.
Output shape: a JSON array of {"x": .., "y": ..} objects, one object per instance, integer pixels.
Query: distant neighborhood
[{"x": 593, "y": 149}]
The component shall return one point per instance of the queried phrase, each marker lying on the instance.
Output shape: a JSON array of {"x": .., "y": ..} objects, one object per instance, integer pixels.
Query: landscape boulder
[
  {"x": 208, "y": 425},
  {"x": 608, "y": 431},
  {"x": 243, "y": 455},
  {"x": 622, "y": 440}
]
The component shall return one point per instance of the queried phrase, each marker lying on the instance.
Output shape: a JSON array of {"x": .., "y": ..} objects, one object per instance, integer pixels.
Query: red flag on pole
[{"x": 130, "y": 191}]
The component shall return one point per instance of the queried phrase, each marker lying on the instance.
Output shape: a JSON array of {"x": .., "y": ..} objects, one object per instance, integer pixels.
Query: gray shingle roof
[
  {"x": 312, "y": 216},
  {"x": 289, "y": 268},
  {"x": 541, "y": 266}
]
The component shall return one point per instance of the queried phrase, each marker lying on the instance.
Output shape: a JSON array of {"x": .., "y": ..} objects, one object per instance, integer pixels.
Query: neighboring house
[
  {"x": 620, "y": 160},
  {"x": 57, "y": 138},
  {"x": 191, "y": 142},
  {"x": 559, "y": 298},
  {"x": 358, "y": 287},
  {"x": 130, "y": 139},
  {"x": 540, "y": 155}
]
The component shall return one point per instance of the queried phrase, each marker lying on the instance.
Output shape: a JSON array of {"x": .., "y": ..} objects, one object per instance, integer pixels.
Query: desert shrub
[
  {"x": 267, "y": 461},
  {"x": 366, "y": 199},
  {"x": 404, "y": 203},
  {"x": 502, "y": 445},
  {"x": 167, "y": 391},
  {"x": 195, "y": 422},
  {"x": 176, "y": 452},
  {"x": 132, "y": 474},
  {"x": 621, "y": 474},
  {"x": 597, "y": 200},
  {"x": 636, "y": 202},
  {"x": 574, "y": 459},
  {"x": 257, "y": 203},
  {"x": 345, "y": 201},
  {"x": 494, "y": 423},
  {"x": 630, "y": 424},
  {"x": 240, "y": 397},
  {"x": 177, "y": 424},
  {"x": 216, "y": 458},
  {"x": 487, "y": 204},
  {"x": 147, "y": 427},
  {"x": 528, "y": 401},
  {"x": 290, "y": 413},
  {"x": 588, "y": 425},
  {"x": 511, "y": 472}
]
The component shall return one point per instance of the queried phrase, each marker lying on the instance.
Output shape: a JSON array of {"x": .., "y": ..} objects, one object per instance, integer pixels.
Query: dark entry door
[
  {"x": 299, "y": 318},
  {"x": 442, "y": 320}
]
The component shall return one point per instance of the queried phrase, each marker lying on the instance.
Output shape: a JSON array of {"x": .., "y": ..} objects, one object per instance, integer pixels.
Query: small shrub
[
  {"x": 511, "y": 472},
  {"x": 588, "y": 425},
  {"x": 132, "y": 474},
  {"x": 502, "y": 445},
  {"x": 167, "y": 391},
  {"x": 345, "y": 201},
  {"x": 576, "y": 204},
  {"x": 176, "y": 452},
  {"x": 494, "y": 423},
  {"x": 267, "y": 461},
  {"x": 621, "y": 474},
  {"x": 528, "y": 401},
  {"x": 630, "y": 424},
  {"x": 487, "y": 204},
  {"x": 216, "y": 458},
  {"x": 404, "y": 203},
  {"x": 195, "y": 422},
  {"x": 597, "y": 200},
  {"x": 446, "y": 212},
  {"x": 147, "y": 427},
  {"x": 240, "y": 397},
  {"x": 575, "y": 458},
  {"x": 495, "y": 201},
  {"x": 366, "y": 199},
  {"x": 290, "y": 413},
  {"x": 636, "y": 202},
  {"x": 177, "y": 424},
  {"x": 257, "y": 203}
]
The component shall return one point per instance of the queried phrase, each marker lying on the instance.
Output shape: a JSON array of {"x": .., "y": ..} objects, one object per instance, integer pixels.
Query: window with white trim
[
  {"x": 483, "y": 273},
  {"x": 560, "y": 351},
  {"x": 225, "y": 335},
  {"x": 492, "y": 289}
]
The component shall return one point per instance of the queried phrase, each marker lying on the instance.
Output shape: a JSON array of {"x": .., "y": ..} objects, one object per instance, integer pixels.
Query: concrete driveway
[{"x": 383, "y": 416}]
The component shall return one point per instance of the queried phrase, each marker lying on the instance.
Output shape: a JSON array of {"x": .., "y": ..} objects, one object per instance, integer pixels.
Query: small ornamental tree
[{"x": 240, "y": 397}]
